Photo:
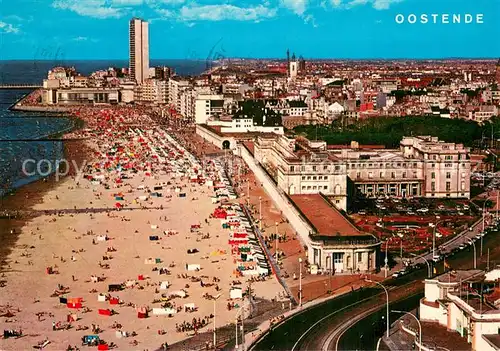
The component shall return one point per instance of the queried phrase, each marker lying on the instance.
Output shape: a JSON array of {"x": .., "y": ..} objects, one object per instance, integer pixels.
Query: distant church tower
[
  {"x": 498, "y": 73},
  {"x": 293, "y": 67}
]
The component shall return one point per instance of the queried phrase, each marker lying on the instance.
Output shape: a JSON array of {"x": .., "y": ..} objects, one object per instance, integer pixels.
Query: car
[
  {"x": 396, "y": 274},
  {"x": 462, "y": 246}
]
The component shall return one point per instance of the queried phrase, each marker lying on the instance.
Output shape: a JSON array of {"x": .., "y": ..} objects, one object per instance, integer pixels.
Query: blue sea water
[{"x": 20, "y": 132}]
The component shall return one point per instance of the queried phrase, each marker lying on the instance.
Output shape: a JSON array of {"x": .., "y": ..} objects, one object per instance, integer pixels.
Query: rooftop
[
  {"x": 458, "y": 276},
  {"x": 323, "y": 215},
  {"x": 493, "y": 339}
]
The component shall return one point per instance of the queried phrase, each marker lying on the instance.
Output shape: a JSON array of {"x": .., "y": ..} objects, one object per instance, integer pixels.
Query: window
[
  {"x": 337, "y": 201},
  {"x": 462, "y": 186},
  {"x": 308, "y": 187},
  {"x": 448, "y": 186},
  {"x": 325, "y": 187},
  {"x": 302, "y": 168},
  {"x": 433, "y": 175},
  {"x": 381, "y": 175},
  {"x": 393, "y": 175},
  {"x": 360, "y": 256},
  {"x": 303, "y": 177},
  {"x": 314, "y": 177},
  {"x": 325, "y": 177},
  {"x": 358, "y": 174},
  {"x": 314, "y": 168},
  {"x": 433, "y": 186},
  {"x": 292, "y": 169},
  {"x": 308, "y": 177},
  {"x": 303, "y": 187},
  {"x": 370, "y": 174},
  {"x": 325, "y": 168},
  {"x": 433, "y": 165},
  {"x": 404, "y": 174},
  {"x": 337, "y": 168},
  {"x": 448, "y": 157},
  {"x": 315, "y": 187},
  {"x": 463, "y": 174},
  {"x": 448, "y": 175}
]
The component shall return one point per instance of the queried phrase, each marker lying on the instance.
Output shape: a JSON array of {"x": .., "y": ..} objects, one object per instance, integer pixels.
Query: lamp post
[
  {"x": 434, "y": 237},
  {"x": 387, "y": 296},
  {"x": 484, "y": 214},
  {"x": 242, "y": 328},
  {"x": 474, "y": 245},
  {"x": 386, "y": 260},
  {"x": 215, "y": 337},
  {"x": 498, "y": 198},
  {"x": 300, "y": 281},
  {"x": 260, "y": 213},
  {"x": 276, "y": 245},
  {"x": 419, "y": 326},
  {"x": 427, "y": 262},
  {"x": 248, "y": 192}
]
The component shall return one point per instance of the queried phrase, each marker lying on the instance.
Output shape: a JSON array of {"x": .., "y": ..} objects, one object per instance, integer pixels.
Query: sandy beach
[{"x": 111, "y": 229}]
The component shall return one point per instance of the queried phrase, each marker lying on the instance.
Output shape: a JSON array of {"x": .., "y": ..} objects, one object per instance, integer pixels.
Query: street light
[
  {"x": 427, "y": 262},
  {"x": 386, "y": 260},
  {"x": 215, "y": 337},
  {"x": 300, "y": 281},
  {"x": 260, "y": 213},
  {"x": 474, "y": 245},
  {"x": 276, "y": 246},
  {"x": 242, "y": 329},
  {"x": 387, "y": 296},
  {"x": 419, "y": 326},
  {"x": 484, "y": 213}
]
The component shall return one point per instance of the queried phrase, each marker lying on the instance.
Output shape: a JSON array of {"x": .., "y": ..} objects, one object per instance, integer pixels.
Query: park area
[{"x": 410, "y": 224}]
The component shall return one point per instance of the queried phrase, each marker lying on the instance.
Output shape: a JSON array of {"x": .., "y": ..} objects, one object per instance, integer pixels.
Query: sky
[{"x": 201, "y": 29}]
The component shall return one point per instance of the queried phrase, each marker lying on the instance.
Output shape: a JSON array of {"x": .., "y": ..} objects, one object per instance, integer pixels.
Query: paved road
[{"x": 323, "y": 326}]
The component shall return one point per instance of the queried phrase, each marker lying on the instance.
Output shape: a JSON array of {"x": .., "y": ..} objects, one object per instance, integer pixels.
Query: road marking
[
  {"x": 329, "y": 315},
  {"x": 351, "y": 322}
]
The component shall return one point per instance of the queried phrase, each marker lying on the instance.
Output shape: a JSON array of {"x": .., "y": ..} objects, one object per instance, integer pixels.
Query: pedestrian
[{"x": 53, "y": 326}]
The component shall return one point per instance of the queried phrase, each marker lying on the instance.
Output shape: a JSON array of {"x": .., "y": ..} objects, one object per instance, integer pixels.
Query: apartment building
[
  {"x": 208, "y": 106},
  {"x": 176, "y": 86},
  {"x": 152, "y": 91}
]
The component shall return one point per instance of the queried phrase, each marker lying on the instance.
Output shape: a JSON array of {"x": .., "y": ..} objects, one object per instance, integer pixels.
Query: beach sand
[{"x": 46, "y": 240}]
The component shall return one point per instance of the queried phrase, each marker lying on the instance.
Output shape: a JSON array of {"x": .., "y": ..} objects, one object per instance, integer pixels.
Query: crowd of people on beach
[
  {"x": 194, "y": 325},
  {"x": 124, "y": 145}
]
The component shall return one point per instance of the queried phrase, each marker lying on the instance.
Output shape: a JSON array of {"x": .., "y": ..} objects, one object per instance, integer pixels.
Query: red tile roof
[{"x": 323, "y": 215}]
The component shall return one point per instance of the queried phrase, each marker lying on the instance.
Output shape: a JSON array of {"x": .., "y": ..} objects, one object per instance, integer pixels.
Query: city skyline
[{"x": 335, "y": 29}]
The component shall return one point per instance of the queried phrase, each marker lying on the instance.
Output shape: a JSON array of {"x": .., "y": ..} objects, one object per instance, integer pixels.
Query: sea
[{"x": 23, "y": 136}]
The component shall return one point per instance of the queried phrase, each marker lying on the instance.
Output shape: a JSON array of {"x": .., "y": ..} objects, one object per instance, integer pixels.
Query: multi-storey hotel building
[{"x": 423, "y": 166}]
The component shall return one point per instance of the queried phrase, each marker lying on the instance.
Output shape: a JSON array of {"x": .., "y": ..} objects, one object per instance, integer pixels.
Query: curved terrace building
[{"x": 336, "y": 244}]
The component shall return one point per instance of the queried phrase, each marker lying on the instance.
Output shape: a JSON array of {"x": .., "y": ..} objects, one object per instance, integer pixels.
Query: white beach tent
[
  {"x": 180, "y": 293},
  {"x": 164, "y": 311},
  {"x": 164, "y": 285},
  {"x": 193, "y": 267},
  {"x": 235, "y": 293}
]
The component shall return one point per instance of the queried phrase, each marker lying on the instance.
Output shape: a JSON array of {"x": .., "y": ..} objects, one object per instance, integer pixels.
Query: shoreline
[
  {"x": 79, "y": 215},
  {"x": 16, "y": 198}
]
